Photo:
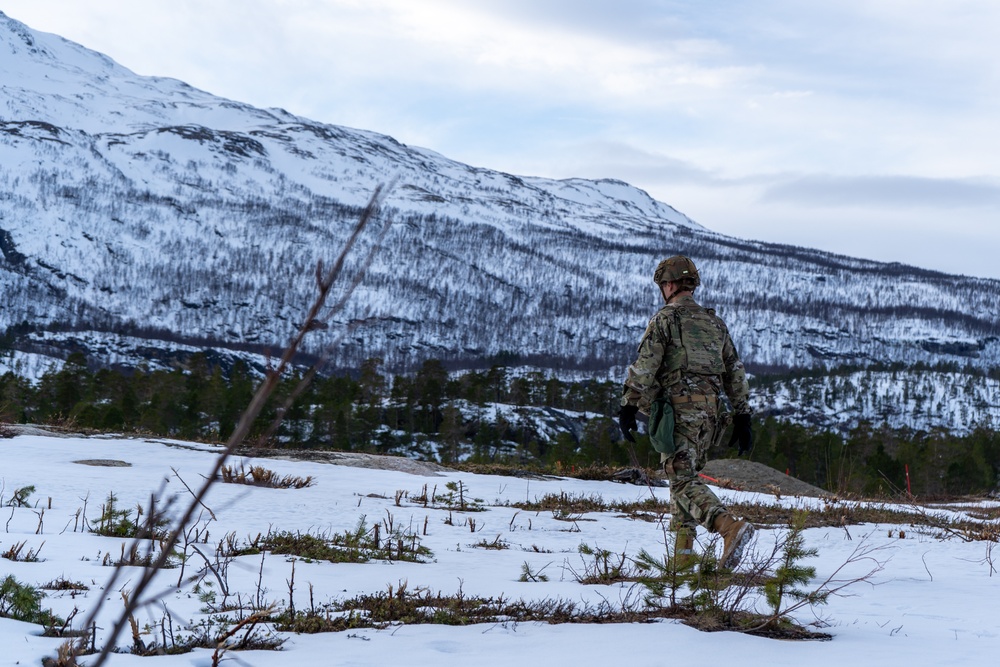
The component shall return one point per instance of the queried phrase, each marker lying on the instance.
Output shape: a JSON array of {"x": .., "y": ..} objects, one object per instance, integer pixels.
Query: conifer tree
[{"x": 790, "y": 574}]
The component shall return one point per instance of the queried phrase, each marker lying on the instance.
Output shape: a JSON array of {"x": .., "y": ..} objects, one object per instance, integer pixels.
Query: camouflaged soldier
[{"x": 686, "y": 360}]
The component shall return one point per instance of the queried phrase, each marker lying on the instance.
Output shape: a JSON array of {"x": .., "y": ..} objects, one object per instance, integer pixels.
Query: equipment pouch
[
  {"x": 661, "y": 426},
  {"x": 721, "y": 424}
]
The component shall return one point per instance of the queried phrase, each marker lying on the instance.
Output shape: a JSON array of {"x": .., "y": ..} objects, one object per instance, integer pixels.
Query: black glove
[
  {"x": 742, "y": 434},
  {"x": 626, "y": 421}
]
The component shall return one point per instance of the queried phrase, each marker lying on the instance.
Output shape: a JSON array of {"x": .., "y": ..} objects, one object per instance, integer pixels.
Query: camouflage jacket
[{"x": 686, "y": 350}]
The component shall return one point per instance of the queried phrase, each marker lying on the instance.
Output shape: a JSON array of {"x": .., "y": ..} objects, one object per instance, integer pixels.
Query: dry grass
[
  {"x": 17, "y": 553},
  {"x": 363, "y": 544},
  {"x": 979, "y": 524},
  {"x": 564, "y": 505},
  {"x": 64, "y": 584},
  {"x": 452, "y": 498},
  {"x": 400, "y": 605},
  {"x": 135, "y": 556},
  {"x": 749, "y": 623},
  {"x": 847, "y": 513},
  {"x": 593, "y": 471},
  {"x": 495, "y": 544},
  {"x": 261, "y": 476}
]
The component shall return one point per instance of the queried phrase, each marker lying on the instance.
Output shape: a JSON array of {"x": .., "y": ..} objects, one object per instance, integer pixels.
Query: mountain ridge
[{"x": 141, "y": 204}]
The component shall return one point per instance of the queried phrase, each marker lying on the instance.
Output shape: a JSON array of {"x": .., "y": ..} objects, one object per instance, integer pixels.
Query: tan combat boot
[
  {"x": 684, "y": 548},
  {"x": 736, "y": 534}
]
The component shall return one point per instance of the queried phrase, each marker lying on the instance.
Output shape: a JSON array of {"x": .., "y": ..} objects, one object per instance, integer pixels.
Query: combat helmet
[{"x": 675, "y": 269}]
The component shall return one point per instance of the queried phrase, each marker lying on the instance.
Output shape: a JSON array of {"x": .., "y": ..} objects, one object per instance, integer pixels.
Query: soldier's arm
[
  {"x": 641, "y": 385},
  {"x": 734, "y": 380}
]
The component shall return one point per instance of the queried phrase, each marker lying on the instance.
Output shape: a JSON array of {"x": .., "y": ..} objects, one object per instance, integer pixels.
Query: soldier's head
[{"x": 678, "y": 273}]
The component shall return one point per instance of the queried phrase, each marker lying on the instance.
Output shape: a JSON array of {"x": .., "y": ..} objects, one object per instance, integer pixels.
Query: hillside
[
  {"x": 139, "y": 215},
  {"x": 917, "y": 399}
]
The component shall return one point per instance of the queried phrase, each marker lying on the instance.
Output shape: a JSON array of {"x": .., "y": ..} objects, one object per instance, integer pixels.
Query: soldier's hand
[
  {"x": 626, "y": 421},
  {"x": 742, "y": 434}
]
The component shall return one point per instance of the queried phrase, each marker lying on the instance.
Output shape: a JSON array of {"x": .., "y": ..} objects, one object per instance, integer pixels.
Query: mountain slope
[{"x": 142, "y": 206}]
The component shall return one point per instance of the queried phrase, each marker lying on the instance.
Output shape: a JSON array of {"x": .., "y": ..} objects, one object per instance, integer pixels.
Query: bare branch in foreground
[{"x": 325, "y": 282}]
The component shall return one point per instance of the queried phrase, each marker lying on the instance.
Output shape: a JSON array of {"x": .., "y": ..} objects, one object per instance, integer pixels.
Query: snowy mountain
[{"x": 141, "y": 213}]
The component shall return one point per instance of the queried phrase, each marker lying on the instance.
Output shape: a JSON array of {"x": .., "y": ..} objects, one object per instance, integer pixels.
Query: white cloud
[
  {"x": 749, "y": 117},
  {"x": 887, "y": 191}
]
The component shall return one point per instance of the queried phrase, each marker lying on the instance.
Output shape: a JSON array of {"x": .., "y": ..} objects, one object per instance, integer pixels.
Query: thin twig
[
  {"x": 181, "y": 479},
  {"x": 325, "y": 282}
]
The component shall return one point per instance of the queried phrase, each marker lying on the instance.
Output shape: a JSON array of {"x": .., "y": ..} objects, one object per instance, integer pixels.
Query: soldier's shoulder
[
  {"x": 683, "y": 309},
  {"x": 691, "y": 308},
  {"x": 718, "y": 319},
  {"x": 667, "y": 312},
  {"x": 661, "y": 322}
]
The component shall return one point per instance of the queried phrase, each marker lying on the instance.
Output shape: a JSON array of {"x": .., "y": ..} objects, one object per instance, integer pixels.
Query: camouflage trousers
[{"x": 692, "y": 503}]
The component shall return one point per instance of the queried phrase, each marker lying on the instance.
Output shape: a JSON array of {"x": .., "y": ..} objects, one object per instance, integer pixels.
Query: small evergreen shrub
[
  {"x": 24, "y": 603},
  {"x": 20, "y": 497},
  {"x": 116, "y": 521}
]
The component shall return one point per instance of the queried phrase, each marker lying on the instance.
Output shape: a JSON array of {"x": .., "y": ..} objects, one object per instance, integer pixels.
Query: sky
[
  {"x": 862, "y": 127},
  {"x": 920, "y": 596}
]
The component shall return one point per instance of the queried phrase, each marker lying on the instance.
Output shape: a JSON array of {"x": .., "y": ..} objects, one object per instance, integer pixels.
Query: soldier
[{"x": 686, "y": 360}]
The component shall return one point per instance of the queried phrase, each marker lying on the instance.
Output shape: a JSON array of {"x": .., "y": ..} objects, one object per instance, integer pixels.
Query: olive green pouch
[{"x": 661, "y": 426}]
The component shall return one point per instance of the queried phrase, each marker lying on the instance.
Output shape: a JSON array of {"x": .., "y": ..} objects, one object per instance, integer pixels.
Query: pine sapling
[
  {"x": 24, "y": 603},
  {"x": 20, "y": 497},
  {"x": 667, "y": 577},
  {"x": 790, "y": 574}
]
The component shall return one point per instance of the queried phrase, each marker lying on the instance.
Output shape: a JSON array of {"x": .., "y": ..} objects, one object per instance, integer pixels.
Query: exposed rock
[
  {"x": 353, "y": 459},
  {"x": 105, "y": 463},
  {"x": 752, "y": 476}
]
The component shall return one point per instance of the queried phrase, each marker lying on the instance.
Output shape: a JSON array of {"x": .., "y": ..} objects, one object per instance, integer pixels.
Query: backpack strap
[{"x": 675, "y": 357}]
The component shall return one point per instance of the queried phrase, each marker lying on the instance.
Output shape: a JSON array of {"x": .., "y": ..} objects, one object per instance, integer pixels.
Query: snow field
[{"x": 931, "y": 603}]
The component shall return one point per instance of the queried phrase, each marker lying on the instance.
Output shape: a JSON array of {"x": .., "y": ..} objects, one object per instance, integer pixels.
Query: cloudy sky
[{"x": 863, "y": 127}]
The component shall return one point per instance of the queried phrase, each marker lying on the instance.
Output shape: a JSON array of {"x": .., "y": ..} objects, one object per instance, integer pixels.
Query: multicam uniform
[{"x": 688, "y": 356}]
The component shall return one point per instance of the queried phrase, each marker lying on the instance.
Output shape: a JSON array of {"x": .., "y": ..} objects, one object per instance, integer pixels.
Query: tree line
[
  {"x": 367, "y": 410},
  {"x": 878, "y": 460},
  {"x": 485, "y": 416}
]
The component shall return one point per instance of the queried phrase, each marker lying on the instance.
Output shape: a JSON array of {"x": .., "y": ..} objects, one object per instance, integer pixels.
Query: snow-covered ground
[{"x": 932, "y": 603}]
